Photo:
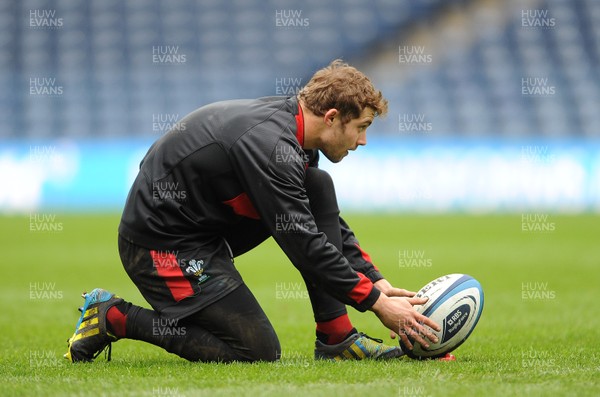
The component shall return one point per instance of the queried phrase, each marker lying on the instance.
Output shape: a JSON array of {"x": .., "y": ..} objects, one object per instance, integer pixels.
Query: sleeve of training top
[
  {"x": 359, "y": 259},
  {"x": 271, "y": 171}
]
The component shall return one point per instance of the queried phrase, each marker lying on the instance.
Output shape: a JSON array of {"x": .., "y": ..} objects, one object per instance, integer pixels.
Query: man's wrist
[
  {"x": 376, "y": 307},
  {"x": 382, "y": 285}
]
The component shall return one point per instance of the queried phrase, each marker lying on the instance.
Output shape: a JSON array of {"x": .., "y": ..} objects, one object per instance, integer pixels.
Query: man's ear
[{"x": 330, "y": 116}]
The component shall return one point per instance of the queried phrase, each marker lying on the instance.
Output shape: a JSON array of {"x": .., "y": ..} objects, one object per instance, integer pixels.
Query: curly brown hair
[{"x": 342, "y": 87}]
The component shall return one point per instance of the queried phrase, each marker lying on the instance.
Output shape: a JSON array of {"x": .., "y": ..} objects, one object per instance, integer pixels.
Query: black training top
[{"x": 242, "y": 158}]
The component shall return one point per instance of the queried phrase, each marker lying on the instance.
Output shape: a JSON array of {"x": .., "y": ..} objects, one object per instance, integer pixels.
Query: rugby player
[{"x": 230, "y": 175}]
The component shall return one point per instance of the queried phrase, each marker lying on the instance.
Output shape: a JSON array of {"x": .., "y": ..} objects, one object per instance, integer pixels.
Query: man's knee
[
  {"x": 259, "y": 343},
  {"x": 271, "y": 351},
  {"x": 317, "y": 180},
  {"x": 320, "y": 191}
]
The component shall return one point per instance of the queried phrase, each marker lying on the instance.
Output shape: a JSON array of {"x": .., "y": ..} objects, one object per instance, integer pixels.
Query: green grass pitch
[{"x": 538, "y": 335}]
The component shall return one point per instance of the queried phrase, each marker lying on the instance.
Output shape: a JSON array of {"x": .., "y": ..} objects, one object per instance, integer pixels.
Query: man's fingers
[
  {"x": 425, "y": 331},
  {"x": 417, "y": 301},
  {"x": 408, "y": 293},
  {"x": 405, "y": 340},
  {"x": 419, "y": 339},
  {"x": 429, "y": 322},
  {"x": 392, "y": 335},
  {"x": 415, "y": 334},
  {"x": 419, "y": 328}
]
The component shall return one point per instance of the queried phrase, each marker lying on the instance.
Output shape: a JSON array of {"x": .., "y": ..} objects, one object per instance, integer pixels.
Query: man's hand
[
  {"x": 384, "y": 286},
  {"x": 399, "y": 315}
]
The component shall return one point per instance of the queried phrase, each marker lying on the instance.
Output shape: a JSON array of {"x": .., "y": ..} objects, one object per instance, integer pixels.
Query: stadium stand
[{"x": 109, "y": 72}]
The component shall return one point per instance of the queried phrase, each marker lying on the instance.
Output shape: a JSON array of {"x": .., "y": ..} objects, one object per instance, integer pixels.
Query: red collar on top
[{"x": 300, "y": 126}]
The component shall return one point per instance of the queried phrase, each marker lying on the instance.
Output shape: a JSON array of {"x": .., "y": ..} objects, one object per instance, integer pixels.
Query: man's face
[{"x": 342, "y": 138}]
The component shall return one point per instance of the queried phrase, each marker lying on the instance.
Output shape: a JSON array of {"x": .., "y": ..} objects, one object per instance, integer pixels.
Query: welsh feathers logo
[{"x": 196, "y": 268}]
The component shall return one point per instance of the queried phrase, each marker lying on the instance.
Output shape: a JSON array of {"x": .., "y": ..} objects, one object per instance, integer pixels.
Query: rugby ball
[{"x": 455, "y": 303}]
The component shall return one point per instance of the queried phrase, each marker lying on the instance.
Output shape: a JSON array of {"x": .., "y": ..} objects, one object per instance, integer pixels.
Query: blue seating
[{"x": 109, "y": 58}]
